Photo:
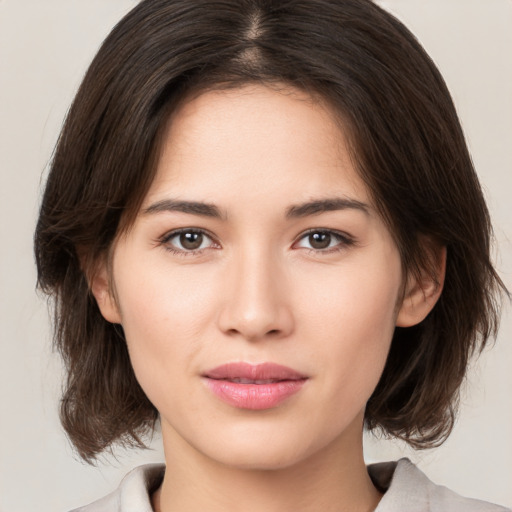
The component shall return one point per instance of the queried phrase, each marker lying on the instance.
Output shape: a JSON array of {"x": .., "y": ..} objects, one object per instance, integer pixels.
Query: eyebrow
[
  {"x": 314, "y": 207},
  {"x": 193, "y": 207},
  {"x": 319, "y": 206}
]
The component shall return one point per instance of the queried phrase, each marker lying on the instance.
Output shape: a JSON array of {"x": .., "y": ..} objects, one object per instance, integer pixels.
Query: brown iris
[
  {"x": 320, "y": 240},
  {"x": 191, "y": 240}
]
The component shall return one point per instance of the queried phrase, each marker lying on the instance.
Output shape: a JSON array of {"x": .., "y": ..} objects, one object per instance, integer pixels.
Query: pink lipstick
[{"x": 255, "y": 387}]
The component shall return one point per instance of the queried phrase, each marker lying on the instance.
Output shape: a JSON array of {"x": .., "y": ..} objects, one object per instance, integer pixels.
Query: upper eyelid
[
  {"x": 341, "y": 234},
  {"x": 325, "y": 230},
  {"x": 178, "y": 231}
]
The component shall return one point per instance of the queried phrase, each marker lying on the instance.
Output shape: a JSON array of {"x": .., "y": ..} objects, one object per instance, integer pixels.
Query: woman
[{"x": 262, "y": 228}]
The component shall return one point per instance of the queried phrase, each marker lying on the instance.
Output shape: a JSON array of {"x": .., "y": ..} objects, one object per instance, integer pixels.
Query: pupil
[
  {"x": 191, "y": 240},
  {"x": 320, "y": 240}
]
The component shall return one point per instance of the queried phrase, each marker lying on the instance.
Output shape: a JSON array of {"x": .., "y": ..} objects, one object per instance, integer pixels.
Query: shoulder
[
  {"x": 133, "y": 493},
  {"x": 407, "y": 488}
]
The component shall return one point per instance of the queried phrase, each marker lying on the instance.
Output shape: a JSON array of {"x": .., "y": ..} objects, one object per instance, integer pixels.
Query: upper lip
[{"x": 253, "y": 372}]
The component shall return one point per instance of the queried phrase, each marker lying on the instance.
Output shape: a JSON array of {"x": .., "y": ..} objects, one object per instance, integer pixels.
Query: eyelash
[{"x": 344, "y": 241}]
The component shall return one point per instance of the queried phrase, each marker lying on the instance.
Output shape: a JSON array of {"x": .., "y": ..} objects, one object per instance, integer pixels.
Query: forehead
[{"x": 255, "y": 140}]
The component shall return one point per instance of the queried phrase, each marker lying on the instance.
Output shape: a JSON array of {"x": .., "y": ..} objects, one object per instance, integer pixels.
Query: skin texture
[{"x": 258, "y": 290}]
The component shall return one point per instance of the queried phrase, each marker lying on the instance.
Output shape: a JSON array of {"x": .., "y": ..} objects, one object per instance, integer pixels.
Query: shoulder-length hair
[{"x": 405, "y": 139}]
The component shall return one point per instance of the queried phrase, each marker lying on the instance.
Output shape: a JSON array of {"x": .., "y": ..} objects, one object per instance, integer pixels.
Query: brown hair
[{"x": 406, "y": 141}]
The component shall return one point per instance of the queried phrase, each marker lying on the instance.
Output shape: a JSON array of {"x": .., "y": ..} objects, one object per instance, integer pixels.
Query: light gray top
[{"x": 406, "y": 489}]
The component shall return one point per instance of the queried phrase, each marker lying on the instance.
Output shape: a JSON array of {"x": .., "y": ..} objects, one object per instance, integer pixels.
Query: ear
[
  {"x": 100, "y": 286},
  {"x": 422, "y": 292}
]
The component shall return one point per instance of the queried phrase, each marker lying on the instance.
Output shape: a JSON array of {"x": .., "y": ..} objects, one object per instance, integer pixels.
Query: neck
[{"x": 331, "y": 480}]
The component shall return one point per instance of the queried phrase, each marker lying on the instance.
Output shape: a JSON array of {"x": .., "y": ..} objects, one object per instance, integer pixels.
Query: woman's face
[{"x": 258, "y": 288}]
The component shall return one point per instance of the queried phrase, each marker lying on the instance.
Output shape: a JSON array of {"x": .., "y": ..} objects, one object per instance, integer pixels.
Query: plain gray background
[{"x": 45, "y": 47}]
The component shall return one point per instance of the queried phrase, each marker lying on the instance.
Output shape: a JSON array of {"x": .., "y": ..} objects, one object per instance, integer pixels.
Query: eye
[
  {"x": 188, "y": 241},
  {"x": 324, "y": 240}
]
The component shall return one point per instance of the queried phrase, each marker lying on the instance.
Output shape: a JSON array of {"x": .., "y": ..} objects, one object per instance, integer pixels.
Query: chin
[
  {"x": 261, "y": 451},
  {"x": 261, "y": 460}
]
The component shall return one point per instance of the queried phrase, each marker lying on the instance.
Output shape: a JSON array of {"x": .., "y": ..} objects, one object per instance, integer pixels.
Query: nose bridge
[{"x": 256, "y": 300}]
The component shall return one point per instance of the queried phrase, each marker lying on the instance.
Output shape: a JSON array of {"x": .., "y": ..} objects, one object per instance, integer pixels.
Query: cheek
[
  {"x": 164, "y": 316},
  {"x": 361, "y": 297},
  {"x": 158, "y": 297},
  {"x": 353, "y": 324}
]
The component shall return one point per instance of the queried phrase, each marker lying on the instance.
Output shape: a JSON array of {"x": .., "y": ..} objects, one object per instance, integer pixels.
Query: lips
[{"x": 255, "y": 387}]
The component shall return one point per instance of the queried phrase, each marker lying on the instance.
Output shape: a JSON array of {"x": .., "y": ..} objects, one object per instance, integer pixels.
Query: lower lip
[{"x": 254, "y": 396}]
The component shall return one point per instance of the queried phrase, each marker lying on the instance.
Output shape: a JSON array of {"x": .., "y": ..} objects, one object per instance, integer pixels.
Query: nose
[{"x": 256, "y": 304}]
